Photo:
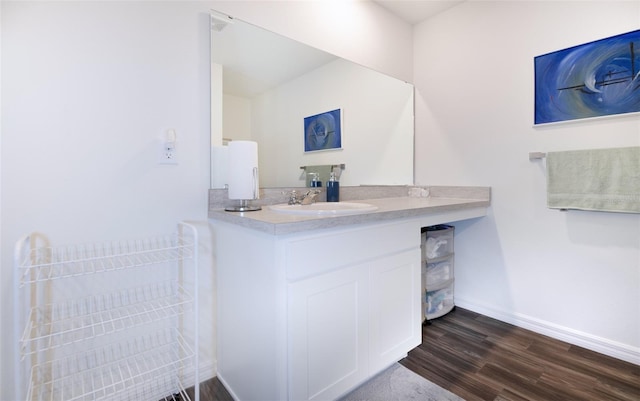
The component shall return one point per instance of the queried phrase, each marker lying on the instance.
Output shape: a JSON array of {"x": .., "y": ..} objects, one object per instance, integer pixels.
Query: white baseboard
[
  {"x": 594, "y": 343},
  {"x": 226, "y": 386}
]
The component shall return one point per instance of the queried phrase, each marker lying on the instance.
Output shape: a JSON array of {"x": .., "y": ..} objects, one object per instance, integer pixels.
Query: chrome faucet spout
[{"x": 310, "y": 197}]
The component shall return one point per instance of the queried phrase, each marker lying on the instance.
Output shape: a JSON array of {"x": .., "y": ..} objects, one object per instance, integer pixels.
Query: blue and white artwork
[
  {"x": 591, "y": 80},
  {"x": 323, "y": 131}
]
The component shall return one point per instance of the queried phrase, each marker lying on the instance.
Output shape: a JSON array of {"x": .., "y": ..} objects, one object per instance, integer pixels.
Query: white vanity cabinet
[
  {"x": 349, "y": 324},
  {"x": 311, "y": 315},
  {"x": 309, "y": 307}
]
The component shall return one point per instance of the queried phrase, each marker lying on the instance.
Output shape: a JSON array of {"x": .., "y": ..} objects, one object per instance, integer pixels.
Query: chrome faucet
[
  {"x": 308, "y": 198},
  {"x": 293, "y": 198}
]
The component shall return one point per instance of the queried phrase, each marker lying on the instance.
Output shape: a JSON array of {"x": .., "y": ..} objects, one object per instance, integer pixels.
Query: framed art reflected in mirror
[{"x": 323, "y": 131}]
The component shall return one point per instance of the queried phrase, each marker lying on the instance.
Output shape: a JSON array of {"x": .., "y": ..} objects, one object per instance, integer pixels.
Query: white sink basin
[{"x": 325, "y": 208}]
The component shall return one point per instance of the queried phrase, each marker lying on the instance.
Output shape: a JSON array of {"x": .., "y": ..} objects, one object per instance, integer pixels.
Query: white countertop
[{"x": 276, "y": 223}]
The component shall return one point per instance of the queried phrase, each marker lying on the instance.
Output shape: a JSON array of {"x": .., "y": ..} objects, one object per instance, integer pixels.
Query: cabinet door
[
  {"x": 328, "y": 340},
  {"x": 396, "y": 323}
]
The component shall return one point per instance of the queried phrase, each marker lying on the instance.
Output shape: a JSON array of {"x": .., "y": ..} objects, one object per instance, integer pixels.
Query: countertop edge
[{"x": 389, "y": 209}]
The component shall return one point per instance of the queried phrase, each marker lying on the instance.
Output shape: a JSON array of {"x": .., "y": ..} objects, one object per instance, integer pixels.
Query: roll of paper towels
[{"x": 242, "y": 171}]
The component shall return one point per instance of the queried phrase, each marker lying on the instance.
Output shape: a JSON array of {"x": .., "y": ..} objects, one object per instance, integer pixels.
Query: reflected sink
[{"x": 325, "y": 208}]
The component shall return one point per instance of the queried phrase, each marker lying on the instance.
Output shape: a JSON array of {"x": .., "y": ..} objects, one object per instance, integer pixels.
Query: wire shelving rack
[{"x": 128, "y": 343}]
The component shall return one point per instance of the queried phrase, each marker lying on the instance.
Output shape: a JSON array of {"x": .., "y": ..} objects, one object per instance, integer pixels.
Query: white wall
[
  {"x": 88, "y": 89},
  {"x": 236, "y": 118},
  {"x": 574, "y": 275}
]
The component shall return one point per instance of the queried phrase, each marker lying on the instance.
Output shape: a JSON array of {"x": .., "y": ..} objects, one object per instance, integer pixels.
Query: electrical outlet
[{"x": 168, "y": 153}]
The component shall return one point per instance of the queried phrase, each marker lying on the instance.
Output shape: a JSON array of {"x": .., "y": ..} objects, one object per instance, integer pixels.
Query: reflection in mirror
[{"x": 264, "y": 85}]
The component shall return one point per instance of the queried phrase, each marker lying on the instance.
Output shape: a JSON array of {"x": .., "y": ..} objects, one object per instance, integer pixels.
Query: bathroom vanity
[{"x": 311, "y": 306}]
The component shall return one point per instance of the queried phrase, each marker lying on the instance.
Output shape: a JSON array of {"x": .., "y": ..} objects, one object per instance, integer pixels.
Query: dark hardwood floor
[
  {"x": 211, "y": 390},
  {"x": 479, "y": 358}
]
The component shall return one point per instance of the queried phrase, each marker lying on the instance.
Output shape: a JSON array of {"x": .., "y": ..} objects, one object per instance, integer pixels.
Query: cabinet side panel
[{"x": 251, "y": 305}]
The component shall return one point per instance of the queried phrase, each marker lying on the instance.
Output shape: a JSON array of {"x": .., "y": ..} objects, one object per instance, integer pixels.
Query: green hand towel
[{"x": 598, "y": 179}]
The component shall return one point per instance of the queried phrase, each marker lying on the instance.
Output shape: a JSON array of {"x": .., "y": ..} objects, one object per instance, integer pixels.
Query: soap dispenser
[
  {"x": 333, "y": 189},
  {"x": 315, "y": 182}
]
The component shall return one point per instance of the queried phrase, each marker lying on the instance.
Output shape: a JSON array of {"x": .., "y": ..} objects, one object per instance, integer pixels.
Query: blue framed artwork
[
  {"x": 596, "y": 79},
  {"x": 323, "y": 131}
]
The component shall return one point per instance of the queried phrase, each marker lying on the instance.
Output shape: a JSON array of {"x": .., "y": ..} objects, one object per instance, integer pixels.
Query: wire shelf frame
[
  {"x": 118, "y": 371},
  {"x": 54, "y": 325},
  {"x": 49, "y": 263}
]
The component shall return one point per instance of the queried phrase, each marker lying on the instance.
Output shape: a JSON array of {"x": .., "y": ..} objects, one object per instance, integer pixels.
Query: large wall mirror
[{"x": 264, "y": 85}]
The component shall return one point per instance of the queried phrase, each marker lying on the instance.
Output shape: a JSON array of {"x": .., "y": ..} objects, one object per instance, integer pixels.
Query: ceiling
[{"x": 414, "y": 11}]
